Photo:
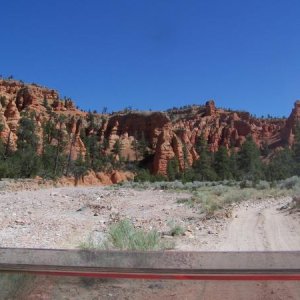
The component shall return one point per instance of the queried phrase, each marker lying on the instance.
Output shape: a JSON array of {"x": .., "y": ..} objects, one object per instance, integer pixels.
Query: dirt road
[
  {"x": 64, "y": 217},
  {"x": 257, "y": 226},
  {"x": 261, "y": 226}
]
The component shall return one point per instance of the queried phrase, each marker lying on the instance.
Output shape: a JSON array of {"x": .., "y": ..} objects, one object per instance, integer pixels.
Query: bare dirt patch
[{"x": 65, "y": 217}]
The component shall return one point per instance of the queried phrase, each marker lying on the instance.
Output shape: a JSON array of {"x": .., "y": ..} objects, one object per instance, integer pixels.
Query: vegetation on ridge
[{"x": 47, "y": 152}]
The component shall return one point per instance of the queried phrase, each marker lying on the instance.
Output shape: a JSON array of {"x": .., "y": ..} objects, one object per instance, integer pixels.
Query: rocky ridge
[{"x": 167, "y": 134}]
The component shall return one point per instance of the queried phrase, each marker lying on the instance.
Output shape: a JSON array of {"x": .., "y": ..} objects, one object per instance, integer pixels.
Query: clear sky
[{"x": 157, "y": 53}]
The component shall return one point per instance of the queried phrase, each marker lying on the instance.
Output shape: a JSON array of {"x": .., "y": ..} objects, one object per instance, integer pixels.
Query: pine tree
[
  {"x": 117, "y": 149},
  {"x": 45, "y": 102},
  {"x": 249, "y": 160},
  {"x": 27, "y": 137},
  {"x": 142, "y": 146},
  {"x": 79, "y": 169},
  {"x": 265, "y": 150},
  {"x": 233, "y": 164},
  {"x": 296, "y": 149},
  {"x": 2, "y": 155},
  {"x": 200, "y": 144},
  {"x": 204, "y": 165},
  {"x": 25, "y": 162},
  {"x": 222, "y": 164},
  {"x": 173, "y": 169},
  {"x": 134, "y": 146},
  {"x": 203, "y": 168},
  {"x": 60, "y": 157},
  {"x": 281, "y": 166}
]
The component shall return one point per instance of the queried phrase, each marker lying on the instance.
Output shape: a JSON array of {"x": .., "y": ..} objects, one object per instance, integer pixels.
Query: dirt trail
[
  {"x": 257, "y": 226},
  {"x": 261, "y": 226}
]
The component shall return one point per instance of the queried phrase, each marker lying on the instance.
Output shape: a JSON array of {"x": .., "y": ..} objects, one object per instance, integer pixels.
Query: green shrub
[
  {"x": 246, "y": 184},
  {"x": 175, "y": 229},
  {"x": 237, "y": 195},
  {"x": 290, "y": 182},
  {"x": 144, "y": 175},
  {"x": 219, "y": 190},
  {"x": 124, "y": 236},
  {"x": 209, "y": 203},
  {"x": 262, "y": 185}
]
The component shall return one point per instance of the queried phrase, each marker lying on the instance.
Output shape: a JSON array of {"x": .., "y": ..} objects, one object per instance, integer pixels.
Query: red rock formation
[
  {"x": 75, "y": 146},
  {"x": 12, "y": 116},
  {"x": 69, "y": 105},
  {"x": 168, "y": 134},
  {"x": 139, "y": 125},
  {"x": 210, "y": 108},
  {"x": 17, "y": 97},
  {"x": 58, "y": 105},
  {"x": 101, "y": 178},
  {"x": 287, "y": 133},
  {"x": 164, "y": 150}
]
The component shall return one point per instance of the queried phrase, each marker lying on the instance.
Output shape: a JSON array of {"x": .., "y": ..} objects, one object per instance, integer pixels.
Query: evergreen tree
[
  {"x": 117, "y": 148},
  {"x": 45, "y": 102},
  {"x": 3, "y": 165},
  {"x": 265, "y": 150},
  {"x": 249, "y": 161},
  {"x": 3, "y": 101},
  {"x": 49, "y": 131},
  {"x": 203, "y": 168},
  {"x": 204, "y": 165},
  {"x": 60, "y": 157},
  {"x": 51, "y": 155},
  {"x": 96, "y": 158},
  {"x": 134, "y": 146},
  {"x": 188, "y": 173},
  {"x": 173, "y": 169},
  {"x": 200, "y": 144},
  {"x": 79, "y": 169},
  {"x": 25, "y": 162},
  {"x": 27, "y": 137},
  {"x": 281, "y": 165},
  {"x": 1, "y": 142},
  {"x": 185, "y": 156},
  {"x": 233, "y": 164},
  {"x": 296, "y": 149},
  {"x": 222, "y": 164},
  {"x": 140, "y": 146}
]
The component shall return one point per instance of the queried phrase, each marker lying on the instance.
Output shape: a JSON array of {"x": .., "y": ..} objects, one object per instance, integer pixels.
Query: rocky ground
[{"x": 66, "y": 217}]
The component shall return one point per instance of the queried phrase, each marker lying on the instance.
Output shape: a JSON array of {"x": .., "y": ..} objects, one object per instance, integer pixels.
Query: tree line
[
  {"x": 47, "y": 151},
  {"x": 249, "y": 163},
  {"x": 48, "y": 154}
]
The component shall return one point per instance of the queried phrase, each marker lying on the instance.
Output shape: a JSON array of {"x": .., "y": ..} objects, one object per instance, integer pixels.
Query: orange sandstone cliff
[{"x": 167, "y": 134}]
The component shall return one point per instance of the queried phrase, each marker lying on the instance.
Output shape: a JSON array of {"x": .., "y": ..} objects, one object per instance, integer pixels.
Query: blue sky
[{"x": 157, "y": 53}]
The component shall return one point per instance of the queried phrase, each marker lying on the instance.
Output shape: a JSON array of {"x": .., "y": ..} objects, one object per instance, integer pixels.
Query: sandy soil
[
  {"x": 261, "y": 226},
  {"x": 65, "y": 217}
]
